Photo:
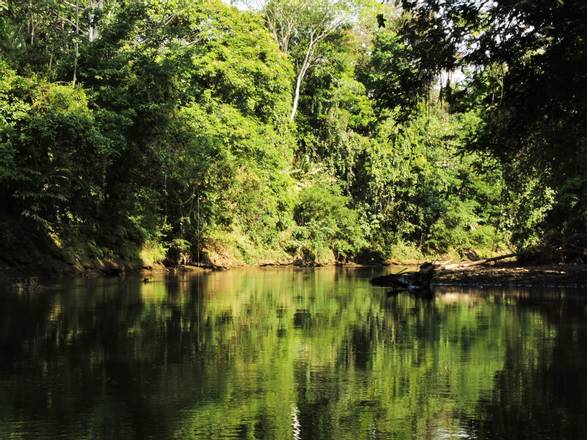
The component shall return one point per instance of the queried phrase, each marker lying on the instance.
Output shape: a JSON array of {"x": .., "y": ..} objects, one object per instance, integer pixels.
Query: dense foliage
[
  {"x": 191, "y": 131},
  {"x": 526, "y": 65}
]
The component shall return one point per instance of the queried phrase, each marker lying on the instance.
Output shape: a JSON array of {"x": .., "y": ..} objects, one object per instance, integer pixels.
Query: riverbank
[
  {"x": 56, "y": 269},
  {"x": 465, "y": 273},
  {"x": 512, "y": 274}
]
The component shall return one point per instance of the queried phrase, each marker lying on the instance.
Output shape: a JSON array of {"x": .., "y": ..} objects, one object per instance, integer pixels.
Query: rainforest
[
  {"x": 312, "y": 132},
  {"x": 418, "y": 168}
]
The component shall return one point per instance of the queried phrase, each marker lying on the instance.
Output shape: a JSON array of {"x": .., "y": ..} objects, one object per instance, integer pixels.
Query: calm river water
[{"x": 290, "y": 354}]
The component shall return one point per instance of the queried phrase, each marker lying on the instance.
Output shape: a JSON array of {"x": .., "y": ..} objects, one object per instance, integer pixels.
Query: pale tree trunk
[
  {"x": 284, "y": 24},
  {"x": 75, "y": 62},
  {"x": 300, "y": 78},
  {"x": 76, "y": 44},
  {"x": 296, "y": 99},
  {"x": 31, "y": 24},
  {"x": 96, "y": 8}
]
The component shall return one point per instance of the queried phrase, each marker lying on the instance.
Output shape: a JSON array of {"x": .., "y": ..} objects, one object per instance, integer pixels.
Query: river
[{"x": 289, "y": 354}]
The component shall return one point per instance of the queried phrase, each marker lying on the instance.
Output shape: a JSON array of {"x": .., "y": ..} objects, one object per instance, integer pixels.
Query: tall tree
[{"x": 300, "y": 27}]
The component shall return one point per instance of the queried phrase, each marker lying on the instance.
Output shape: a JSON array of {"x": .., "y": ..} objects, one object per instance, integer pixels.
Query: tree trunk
[
  {"x": 296, "y": 99},
  {"x": 76, "y": 44},
  {"x": 31, "y": 24},
  {"x": 96, "y": 8},
  {"x": 301, "y": 75}
]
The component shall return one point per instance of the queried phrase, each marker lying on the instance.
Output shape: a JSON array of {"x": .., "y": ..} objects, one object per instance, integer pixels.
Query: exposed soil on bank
[
  {"x": 506, "y": 274},
  {"x": 94, "y": 269}
]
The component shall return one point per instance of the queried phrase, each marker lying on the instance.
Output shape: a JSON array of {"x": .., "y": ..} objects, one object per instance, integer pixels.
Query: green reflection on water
[{"x": 289, "y": 354}]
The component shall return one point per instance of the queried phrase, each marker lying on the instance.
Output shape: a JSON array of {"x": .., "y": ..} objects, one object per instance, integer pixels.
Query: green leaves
[
  {"x": 325, "y": 222},
  {"x": 419, "y": 187},
  {"x": 178, "y": 128},
  {"x": 392, "y": 75},
  {"x": 526, "y": 78},
  {"x": 56, "y": 155}
]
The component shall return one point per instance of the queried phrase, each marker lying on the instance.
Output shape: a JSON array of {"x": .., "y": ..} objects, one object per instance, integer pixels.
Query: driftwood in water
[
  {"x": 484, "y": 261},
  {"x": 413, "y": 280},
  {"x": 419, "y": 281}
]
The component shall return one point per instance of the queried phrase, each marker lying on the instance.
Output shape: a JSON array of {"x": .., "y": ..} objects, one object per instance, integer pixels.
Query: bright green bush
[{"x": 325, "y": 223}]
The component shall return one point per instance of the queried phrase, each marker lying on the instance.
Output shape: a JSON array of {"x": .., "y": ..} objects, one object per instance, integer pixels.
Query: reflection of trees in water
[
  {"x": 233, "y": 353},
  {"x": 543, "y": 395}
]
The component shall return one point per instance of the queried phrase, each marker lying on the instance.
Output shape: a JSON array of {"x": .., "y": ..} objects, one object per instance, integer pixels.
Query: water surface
[{"x": 290, "y": 354}]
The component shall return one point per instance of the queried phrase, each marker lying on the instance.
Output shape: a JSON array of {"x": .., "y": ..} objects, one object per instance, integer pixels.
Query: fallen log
[
  {"x": 412, "y": 280},
  {"x": 479, "y": 262},
  {"x": 419, "y": 281},
  {"x": 491, "y": 260}
]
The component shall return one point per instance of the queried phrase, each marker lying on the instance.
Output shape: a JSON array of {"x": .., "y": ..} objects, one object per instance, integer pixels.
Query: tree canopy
[{"x": 308, "y": 131}]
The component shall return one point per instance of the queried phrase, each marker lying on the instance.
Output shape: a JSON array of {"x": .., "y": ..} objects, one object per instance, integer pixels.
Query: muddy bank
[
  {"x": 90, "y": 269},
  {"x": 502, "y": 273},
  {"x": 51, "y": 268}
]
